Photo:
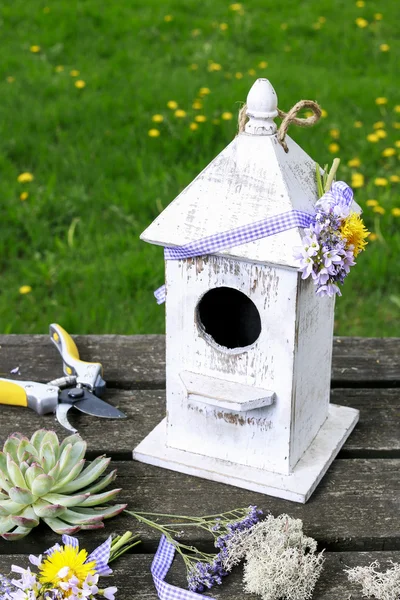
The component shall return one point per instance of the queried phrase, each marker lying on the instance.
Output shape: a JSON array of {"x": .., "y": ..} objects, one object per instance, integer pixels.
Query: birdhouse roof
[{"x": 251, "y": 179}]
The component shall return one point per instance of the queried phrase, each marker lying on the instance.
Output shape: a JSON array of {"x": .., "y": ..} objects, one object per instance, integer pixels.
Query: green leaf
[
  {"x": 42, "y": 485},
  {"x": 6, "y": 525},
  {"x": 75, "y": 518},
  {"x": 26, "y": 519},
  {"x": 46, "y": 510},
  {"x": 17, "y": 534},
  {"x": 102, "y": 483},
  {"x": 8, "y": 507},
  {"x": 32, "y": 472},
  {"x": 20, "y": 495},
  {"x": 74, "y": 472},
  {"x": 47, "y": 456},
  {"x": 37, "y": 437},
  {"x": 106, "y": 512},
  {"x": 60, "y": 527},
  {"x": 75, "y": 455},
  {"x": 25, "y": 450},
  {"x": 3, "y": 463},
  {"x": 11, "y": 446},
  {"x": 14, "y": 473},
  {"x": 67, "y": 501},
  {"x": 71, "y": 439},
  {"x": 90, "y": 474},
  {"x": 96, "y": 499}
]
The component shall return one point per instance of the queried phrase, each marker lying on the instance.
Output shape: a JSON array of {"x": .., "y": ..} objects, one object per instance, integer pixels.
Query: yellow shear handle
[{"x": 12, "y": 394}]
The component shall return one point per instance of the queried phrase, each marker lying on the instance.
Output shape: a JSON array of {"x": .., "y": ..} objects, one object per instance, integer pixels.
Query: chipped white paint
[{"x": 255, "y": 415}]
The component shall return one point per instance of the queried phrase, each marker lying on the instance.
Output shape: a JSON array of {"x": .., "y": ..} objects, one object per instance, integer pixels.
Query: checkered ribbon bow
[
  {"x": 235, "y": 237},
  {"x": 159, "y": 568}
]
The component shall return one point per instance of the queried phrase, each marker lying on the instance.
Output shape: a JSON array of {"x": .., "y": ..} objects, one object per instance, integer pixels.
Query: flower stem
[{"x": 332, "y": 173}]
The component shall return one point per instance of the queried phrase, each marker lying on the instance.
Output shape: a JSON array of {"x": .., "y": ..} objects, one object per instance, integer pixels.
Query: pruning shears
[{"x": 80, "y": 388}]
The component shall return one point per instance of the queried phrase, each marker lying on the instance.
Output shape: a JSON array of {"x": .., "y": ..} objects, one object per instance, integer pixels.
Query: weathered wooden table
[{"x": 354, "y": 513}]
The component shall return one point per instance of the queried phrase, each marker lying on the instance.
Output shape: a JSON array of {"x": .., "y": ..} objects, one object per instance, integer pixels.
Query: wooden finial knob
[{"x": 262, "y": 108}]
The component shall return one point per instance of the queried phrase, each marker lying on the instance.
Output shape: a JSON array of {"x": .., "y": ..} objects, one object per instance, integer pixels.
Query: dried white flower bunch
[
  {"x": 383, "y": 586},
  {"x": 280, "y": 561}
]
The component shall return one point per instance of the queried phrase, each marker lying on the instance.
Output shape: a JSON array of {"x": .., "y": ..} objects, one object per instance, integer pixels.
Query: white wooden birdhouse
[{"x": 248, "y": 342}]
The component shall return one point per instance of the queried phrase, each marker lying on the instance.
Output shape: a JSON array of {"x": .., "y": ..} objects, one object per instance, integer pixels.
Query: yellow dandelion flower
[
  {"x": 389, "y": 152},
  {"x": 10, "y": 79},
  {"x": 316, "y": 26},
  {"x": 284, "y": 26},
  {"x": 322, "y": 19},
  {"x": 223, "y": 26},
  {"x": 372, "y": 137},
  {"x": 46, "y": 10},
  {"x": 358, "y": 124},
  {"x": 394, "y": 178},
  {"x": 35, "y": 49},
  {"x": 180, "y": 113},
  {"x": 384, "y": 47},
  {"x": 59, "y": 69},
  {"x": 251, "y": 71},
  {"x": 236, "y": 6},
  {"x": 355, "y": 232},
  {"x": 25, "y": 177},
  {"x": 25, "y": 289},
  {"x": 74, "y": 73},
  {"x": 195, "y": 32},
  {"x": 379, "y": 209},
  {"x": 308, "y": 113},
  {"x": 397, "y": 108},
  {"x": 204, "y": 91},
  {"x": 372, "y": 237},
  {"x": 157, "y": 118},
  {"x": 324, "y": 113},
  {"x": 80, "y": 84},
  {"x": 360, "y": 22},
  {"x": 380, "y": 181},
  {"x": 226, "y": 116},
  {"x": 263, "y": 64},
  {"x": 396, "y": 212},
  {"x": 193, "y": 67},
  {"x": 379, "y": 125},
  {"x": 381, "y": 133},
  {"x": 172, "y": 104},
  {"x": 200, "y": 118},
  {"x": 381, "y": 100},
  {"x": 23, "y": 196},
  {"x": 357, "y": 180},
  {"x": 65, "y": 556},
  {"x": 214, "y": 67},
  {"x": 354, "y": 162},
  {"x": 238, "y": 75},
  {"x": 397, "y": 143},
  {"x": 396, "y": 125},
  {"x": 360, "y": 3},
  {"x": 372, "y": 202},
  {"x": 333, "y": 148},
  {"x": 168, "y": 18},
  {"x": 378, "y": 16},
  {"x": 334, "y": 133},
  {"x": 197, "y": 105},
  {"x": 153, "y": 133},
  {"x": 193, "y": 126}
]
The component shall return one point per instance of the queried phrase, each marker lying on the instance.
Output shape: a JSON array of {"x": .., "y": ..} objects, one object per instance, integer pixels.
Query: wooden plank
[
  {"x": 355, "y": 507},
  {"x": 133, "y": 579},
  {"x": 138, "y": 361},
  {"x": 376, "y": 434}
]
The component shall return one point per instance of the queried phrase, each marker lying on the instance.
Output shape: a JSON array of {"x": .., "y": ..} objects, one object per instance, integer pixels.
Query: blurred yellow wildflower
[
  {"x": 35, "y": 49},
  {"x": 378, "y": 16},
  {"x": 316, "y": 26},
  {"x": 361, "y": 22},
  {"x": 153, "y": 132},
  {"x": 226, "y": 116},
  {"x": 357, "y": 180},
  {"x": 284, "y": 26},
  {"x": 397, "y": 143},
  {"x": 379, "y": 125},
  {"x": 238, "y": 75},
  {"x": 322, "y": 19},
  {"x": 372, "y": 237},
  {"x": 396, "y": 212},
  {"x": 334, "y": 133},
  {"x": 74, "y": 73},
  {"x": 196, "y": 32},
  {"x": 180, "y": 113},
  {"x": 389, "y": 152},
  {"x": 360, "y": 3},
  {"x": 379, "y": 209},
  {"x": 358, "y": 124},
  {"x": 214, "y": 67},
  {"x": 397, "y": 108},
  {"x": 10, "y": 79},
  {"x": 25, "y": 289},
  {"x": 168, "y": 18},
  {"x": 372, "y": 202},
  {"x": 396, "y": 125},
  {"x": 372, "y": 137},
  {"x": 59, "y": 69},
  {"x": 193, "y": 126},
  {"x": 23, "y": 196},
  {"x": 25, "y": 177},
  {"x": 334, "y": 147},
  {"x": 204, "y": 91},
  {"x": 80, "y": 84},
  {"x": 308, "y": 113},
  {"x": 394, "y": 178},
  {"x": 46, "y": 9},
  {"x": 200, "y": 118},
  {"x": 263, "y": 65},
  {"x": 172, "y": 104},
  {"x": 354, "y": 162},
  {"x": 381, "y": 100},
  {"x": 197, "y": 105},
  {"x": 384, "y": 47},
  {"x": 236, "y": 6},
  {"x": 381, "y": 133},
  {"x": 223, "y": 26},
  {"x": 157, "y": 118},
  {"x": 324, "y": 113},
  {"x": 355, "y": 232},
  {"x": 251, "y": 71},
  {"x": 380, "y": 181},
  {"x": 193, "y": 67}
]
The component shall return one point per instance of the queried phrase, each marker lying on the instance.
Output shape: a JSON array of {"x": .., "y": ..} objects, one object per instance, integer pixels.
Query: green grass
[{"x": 99, "y": 179}]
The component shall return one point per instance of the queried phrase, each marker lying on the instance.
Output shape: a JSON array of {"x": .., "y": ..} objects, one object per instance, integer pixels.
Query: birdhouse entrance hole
[{"x": 229, "y": 317}]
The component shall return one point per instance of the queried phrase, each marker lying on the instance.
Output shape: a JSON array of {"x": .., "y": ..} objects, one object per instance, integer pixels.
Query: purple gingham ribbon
[
  {"x": 235, "y": 237},
  {"x": 160, "y": 566}
]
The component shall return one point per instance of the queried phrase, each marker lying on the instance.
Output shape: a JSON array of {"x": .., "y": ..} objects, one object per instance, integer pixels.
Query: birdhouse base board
[{"x": 298, "y": 486}]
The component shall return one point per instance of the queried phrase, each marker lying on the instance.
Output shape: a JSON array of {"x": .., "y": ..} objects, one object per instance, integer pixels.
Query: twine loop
[{"x": 287, "y": 119}]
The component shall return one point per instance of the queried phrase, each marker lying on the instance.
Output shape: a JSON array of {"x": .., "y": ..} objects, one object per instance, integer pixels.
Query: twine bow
[{"x": 287, "y": 119}]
